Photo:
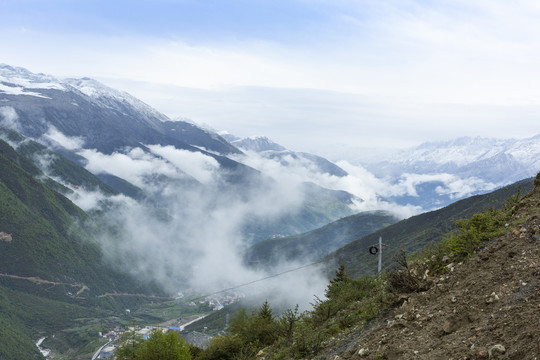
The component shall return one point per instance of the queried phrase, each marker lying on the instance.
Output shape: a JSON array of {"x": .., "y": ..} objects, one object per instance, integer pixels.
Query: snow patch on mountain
[
  {"x": 17, "y": 81},
  {"x": 17, "y": 90},
  {"x": 109, "y": 97},
  {"x": 28, "y": 80}
]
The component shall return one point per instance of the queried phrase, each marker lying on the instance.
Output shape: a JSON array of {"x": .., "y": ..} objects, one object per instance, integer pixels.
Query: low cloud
[
  {"x": 191, "y": 236},
  {"x": 365, "y": 186},
  {"x": 134, "y": 166},
  {"x": 56, "y": 138},
  {"x": 9, "y": 118},
  {"x": 452, "y": 185},
  {"x": 198, "y": 165}
]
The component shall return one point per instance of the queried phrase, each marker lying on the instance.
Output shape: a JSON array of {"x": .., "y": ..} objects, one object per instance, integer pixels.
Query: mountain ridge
[
  {"x": 130, "y": 120},
  {"x": 416, "y": 232},
  {"x": 314, "y": 244},
  {"x": 77, "y": 117}
]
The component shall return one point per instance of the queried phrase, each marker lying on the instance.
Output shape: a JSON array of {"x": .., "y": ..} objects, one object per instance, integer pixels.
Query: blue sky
[{"x": 307, "y": 73}]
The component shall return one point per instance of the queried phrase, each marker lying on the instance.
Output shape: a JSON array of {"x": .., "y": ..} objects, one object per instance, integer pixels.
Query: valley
[{"x": 109, "y": 210}]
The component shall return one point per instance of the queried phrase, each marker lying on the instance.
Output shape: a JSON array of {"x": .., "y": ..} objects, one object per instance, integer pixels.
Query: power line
[{"x": 258, "y": 280}]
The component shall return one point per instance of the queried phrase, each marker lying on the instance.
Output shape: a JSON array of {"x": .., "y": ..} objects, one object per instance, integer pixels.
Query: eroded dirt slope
[{"x": 486, "y": 308}]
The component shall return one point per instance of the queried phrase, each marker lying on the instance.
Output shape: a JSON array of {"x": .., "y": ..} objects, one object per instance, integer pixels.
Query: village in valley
[
  {"x": 178, "y": 325},
  {"x": 199, "y": 339}
]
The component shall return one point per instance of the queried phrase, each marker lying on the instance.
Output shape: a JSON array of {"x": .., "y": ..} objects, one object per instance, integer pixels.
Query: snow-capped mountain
[
  {"x": 111, "y": 98},
  {"x": 269, "y": 149},
  {"x": 438, "y": 173},
  {"x": 500, "y": 161},
  {"x": 254, "y": 143},
  {"x": 135, "y": 149},
  {"x": 84, "y": 107}
]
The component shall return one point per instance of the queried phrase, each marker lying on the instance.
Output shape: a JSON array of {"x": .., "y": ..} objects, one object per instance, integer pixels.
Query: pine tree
[
  {"x": 265, "y": 311},
  {"x": 341, "y": 275},
  {"x": 340, "y": 279}
]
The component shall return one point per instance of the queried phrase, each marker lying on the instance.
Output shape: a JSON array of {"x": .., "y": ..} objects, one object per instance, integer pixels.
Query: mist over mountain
[
  {"x": 178, "y": 206},
  {"x": 185, "y": 194},
  {"x": 437, "y": 173},
  {"x": 187, "y": 201},
  {"x": 273, "y": 151},
  {"x": 52, "y": 271},
  {"x": 462, "y": 167},
  {"x": 317, "y": 243}
]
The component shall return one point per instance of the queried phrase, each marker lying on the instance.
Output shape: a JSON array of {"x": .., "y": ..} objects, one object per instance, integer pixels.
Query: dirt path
[
  {"x": 137, "y": 295},
  {"x": 40, "y": 281},
  {"x": 83, "y": 287}
]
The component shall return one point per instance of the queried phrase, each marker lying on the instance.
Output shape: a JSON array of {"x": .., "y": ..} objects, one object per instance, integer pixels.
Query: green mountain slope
[
  {"x": 51, "y": 272},
  {"x": 414, "y": 233},
  {"x": 38, "y": 221},
  {"x": 321, "y": 206},
  {"x": 317, "y": 243},
  {"x": 57, "y": 165}
]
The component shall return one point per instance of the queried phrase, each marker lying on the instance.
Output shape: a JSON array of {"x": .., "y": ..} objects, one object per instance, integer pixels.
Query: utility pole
[
  {"x": 380, "y": 256},
  {"x": 374, "y": 249}
]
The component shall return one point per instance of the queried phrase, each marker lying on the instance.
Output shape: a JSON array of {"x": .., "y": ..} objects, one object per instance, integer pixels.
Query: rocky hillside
[
  {"x": 482, "y": 308},
  {"x": 471, "y": 295}
]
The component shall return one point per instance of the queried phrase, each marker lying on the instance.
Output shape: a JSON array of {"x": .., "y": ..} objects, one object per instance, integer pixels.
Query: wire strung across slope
[{"x": 258, "y": 280}]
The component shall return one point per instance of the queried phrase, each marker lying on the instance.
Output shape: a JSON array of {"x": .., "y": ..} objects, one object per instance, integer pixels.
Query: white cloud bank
[
  {"x": 9, "y": 118},
  {"x": 190, "y": 235}
]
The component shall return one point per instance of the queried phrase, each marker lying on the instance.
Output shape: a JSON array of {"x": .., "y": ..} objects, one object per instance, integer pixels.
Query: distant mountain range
[
  {"x": 95, "y": 116},
  {"x": 431, "y": 175},
  {"x": 437, "y": 173},
  {"x": 94, "y": 126},
  {"x": 445, "y": 171},
  {"x": 499, "y": 161},
  {"x": 253, "y": 143}
]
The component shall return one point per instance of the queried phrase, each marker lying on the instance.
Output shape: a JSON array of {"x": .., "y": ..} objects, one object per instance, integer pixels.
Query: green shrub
[
  {"x": 225, "y": 347},
  {"x": 308, "y": 338},
  {"x": 402, "y": 279},
  {"x": 159, "y": 345},
  {"x": 248, "y": 333},
  {"x": 472, "y": 232}
]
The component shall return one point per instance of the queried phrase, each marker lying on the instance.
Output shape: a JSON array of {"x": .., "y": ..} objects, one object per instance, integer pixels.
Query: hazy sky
[{"x": 307, "y": 73}]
